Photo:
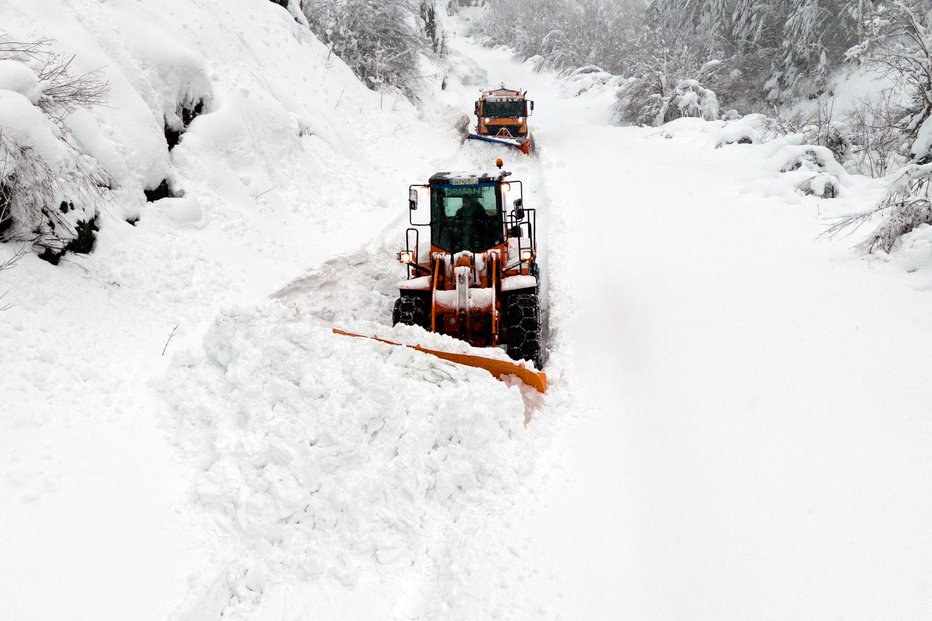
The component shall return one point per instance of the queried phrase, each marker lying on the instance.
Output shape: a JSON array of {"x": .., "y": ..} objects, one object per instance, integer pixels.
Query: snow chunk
[
  {"x": 922, "y": 147},
  {"x": 914, "y": 251},
  {"x": 513, "y": 283},
  {"x": 28, "y": 128},
  {"x": 185, "y": 211},
  {"x": 17, "y": 77},
  {"x": 748, "y": 129}
]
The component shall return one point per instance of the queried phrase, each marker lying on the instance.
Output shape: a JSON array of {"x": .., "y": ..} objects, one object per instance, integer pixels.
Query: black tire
[
  {"x": 523, "y": 328},
  {"x": 411, "y": 310}
]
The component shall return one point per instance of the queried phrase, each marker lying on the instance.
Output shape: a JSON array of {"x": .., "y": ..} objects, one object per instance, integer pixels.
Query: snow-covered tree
[
  {"x": 381, "y": 40},
  {"x": 566, "y": 35},
  {"x": 898, "y": 37},
  {"x": 816, "y": 35},
  {"x": 708, "y": 22},
  {"x": 758, "y": 25},
  {"x": 899, "y": 40},
  {"x": 668, "y": 83}
]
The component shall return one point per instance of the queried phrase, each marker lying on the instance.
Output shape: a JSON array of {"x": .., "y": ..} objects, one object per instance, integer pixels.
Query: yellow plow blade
[{"x": 497, "y": 368}]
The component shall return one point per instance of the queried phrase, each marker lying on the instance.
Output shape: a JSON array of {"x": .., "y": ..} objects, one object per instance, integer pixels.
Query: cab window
[{"x": 466, "y": 217}]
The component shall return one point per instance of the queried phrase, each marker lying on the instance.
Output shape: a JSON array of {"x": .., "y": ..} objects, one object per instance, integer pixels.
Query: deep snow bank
[
  {"x": 327, "y": 454},
  {"x": 265, "y": 116}
]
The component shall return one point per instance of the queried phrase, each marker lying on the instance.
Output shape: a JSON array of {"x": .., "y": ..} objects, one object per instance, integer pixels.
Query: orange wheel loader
[{"x": 475, "y": 276}]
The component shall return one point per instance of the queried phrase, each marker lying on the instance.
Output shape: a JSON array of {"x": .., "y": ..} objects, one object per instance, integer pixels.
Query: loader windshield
[
  {"x": 509, "y": 108},
  {"x": 466, "y": 217}
]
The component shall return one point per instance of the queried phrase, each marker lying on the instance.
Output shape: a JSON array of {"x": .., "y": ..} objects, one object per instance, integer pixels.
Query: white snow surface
[
  {"x": 329, "y": 455},
  {"x": 737, "y": 425}
]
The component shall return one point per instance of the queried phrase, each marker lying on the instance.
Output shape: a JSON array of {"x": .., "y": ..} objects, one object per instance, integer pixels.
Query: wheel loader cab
[{"x": 466, "y": 215}]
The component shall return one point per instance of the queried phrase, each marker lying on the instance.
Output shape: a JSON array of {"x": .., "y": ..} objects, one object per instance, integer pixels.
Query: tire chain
[
  {"x": 522, "y": 321},
  {"x": 412, "y": 311}
]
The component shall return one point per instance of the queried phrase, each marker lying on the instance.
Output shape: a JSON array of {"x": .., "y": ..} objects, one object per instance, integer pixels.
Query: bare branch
[
  {"x": 170, "y": 337},
  {"x": 9, "y": 264}
]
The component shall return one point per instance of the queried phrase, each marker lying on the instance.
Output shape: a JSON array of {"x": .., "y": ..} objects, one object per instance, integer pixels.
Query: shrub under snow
[
  {"x": 49, "y": 191},
  {"x": 811, "y": 168},
  {"x": 691, "y": 99},
  {"x": 905, "y": 206},
  {"x": 649, "y": 100}
]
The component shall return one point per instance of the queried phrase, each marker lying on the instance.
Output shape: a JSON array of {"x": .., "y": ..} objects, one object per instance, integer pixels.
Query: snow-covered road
[{"x": 750, "y": 425}]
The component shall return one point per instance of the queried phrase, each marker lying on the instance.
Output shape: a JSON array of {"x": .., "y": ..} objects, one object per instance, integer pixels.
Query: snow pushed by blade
[{"x": 323, "y": 460}]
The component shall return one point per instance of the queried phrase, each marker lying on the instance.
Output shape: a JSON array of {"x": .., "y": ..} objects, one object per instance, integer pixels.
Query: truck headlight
[
  {"x": 527, "y": 254},
  {"x": 406, "y": 256}
]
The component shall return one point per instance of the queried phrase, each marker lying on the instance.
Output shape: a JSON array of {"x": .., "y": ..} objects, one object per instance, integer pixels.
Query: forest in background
[{"x": 666, "y": 59}]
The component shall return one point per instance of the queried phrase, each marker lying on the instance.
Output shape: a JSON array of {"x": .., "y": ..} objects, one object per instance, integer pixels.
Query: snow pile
[
  {"x": 747, "y": 129},
  {"x": 790, "y": 167},
  {"x": 585, "y": 79},
  {"x": 810, "y": 169},
  {"x": 324, "y": 455},
  {"x": 206, "y": 100},
  {"x": 914, "y": 249}
]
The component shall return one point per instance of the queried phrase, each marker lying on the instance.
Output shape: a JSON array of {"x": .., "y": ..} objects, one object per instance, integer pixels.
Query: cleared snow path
[{"x": 750, "y": 431}]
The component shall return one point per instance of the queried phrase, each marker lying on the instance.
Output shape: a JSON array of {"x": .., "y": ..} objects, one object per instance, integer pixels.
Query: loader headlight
[
  {"x": 486, "y": 120},
  {"x": 406, "y": 256},
  {"x": 527, "y": 255}
]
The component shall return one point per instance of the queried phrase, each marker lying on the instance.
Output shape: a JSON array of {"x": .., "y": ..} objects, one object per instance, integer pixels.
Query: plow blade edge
[{"x": 497, "y": 368}]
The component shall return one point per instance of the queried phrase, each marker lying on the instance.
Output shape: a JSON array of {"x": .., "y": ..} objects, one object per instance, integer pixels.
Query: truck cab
[{"x": 501, "y": 116}]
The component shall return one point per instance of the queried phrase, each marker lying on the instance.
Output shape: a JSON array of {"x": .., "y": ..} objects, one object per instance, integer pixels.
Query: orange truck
[{"x": 501, "y": 118}]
